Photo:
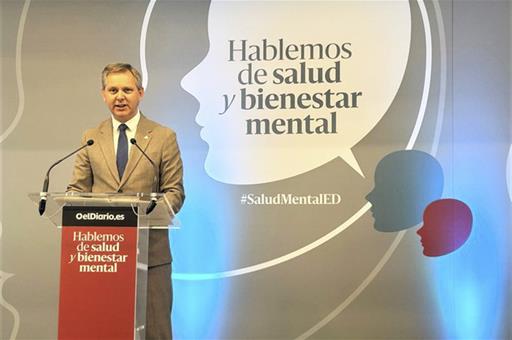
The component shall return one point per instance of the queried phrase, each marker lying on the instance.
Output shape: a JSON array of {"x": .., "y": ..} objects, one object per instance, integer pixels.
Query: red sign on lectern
[{"x": 98, "y": 273}]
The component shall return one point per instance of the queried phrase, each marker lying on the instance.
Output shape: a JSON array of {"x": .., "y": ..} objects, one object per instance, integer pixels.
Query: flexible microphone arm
[
  {"x": 156, "y": 185},
  {"x": 46, "y": 184}
]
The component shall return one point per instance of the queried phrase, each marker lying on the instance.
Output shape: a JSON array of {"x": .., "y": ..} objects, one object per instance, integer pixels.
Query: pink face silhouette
[{"x": 446, "y": 226}]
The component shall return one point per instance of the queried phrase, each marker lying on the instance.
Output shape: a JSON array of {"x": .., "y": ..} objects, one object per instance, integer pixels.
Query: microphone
[
  {"x": 46, "y": 184},
  {"x": 156, "y": 185}
]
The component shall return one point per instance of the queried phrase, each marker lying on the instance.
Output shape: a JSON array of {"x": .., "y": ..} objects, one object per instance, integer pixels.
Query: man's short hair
[{"x": 120, "y": 68}]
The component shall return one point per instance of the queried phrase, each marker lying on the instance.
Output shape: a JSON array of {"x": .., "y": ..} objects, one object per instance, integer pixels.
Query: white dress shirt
[{"x": 130, "y": 131}]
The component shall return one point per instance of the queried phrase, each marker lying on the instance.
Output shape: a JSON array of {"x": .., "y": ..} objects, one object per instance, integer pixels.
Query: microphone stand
[
  {"x": 153, "y": 195},
  {"x": 44, "y": 193}
]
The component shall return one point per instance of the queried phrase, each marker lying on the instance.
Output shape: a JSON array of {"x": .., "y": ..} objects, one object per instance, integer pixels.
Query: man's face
[{"x": 122, "y": 95}]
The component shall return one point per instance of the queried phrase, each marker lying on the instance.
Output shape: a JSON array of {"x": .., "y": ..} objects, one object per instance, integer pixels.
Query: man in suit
[{"x": 112, "y": 164}]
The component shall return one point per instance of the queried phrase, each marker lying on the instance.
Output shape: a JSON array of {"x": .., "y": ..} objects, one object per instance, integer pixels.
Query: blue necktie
[{"x": 122, "y": 150}]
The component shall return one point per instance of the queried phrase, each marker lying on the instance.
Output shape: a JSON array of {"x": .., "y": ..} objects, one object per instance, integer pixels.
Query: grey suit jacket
[{"x": 96, "y": 171}]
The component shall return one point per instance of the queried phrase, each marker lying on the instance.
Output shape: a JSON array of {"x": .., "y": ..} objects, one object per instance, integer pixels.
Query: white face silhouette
[{"x": 285, "y": 122}]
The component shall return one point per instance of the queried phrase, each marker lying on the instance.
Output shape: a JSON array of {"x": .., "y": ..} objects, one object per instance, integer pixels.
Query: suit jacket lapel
[
  {"x": 143, "y": 137},
  {"x": 107, "y": 147}
]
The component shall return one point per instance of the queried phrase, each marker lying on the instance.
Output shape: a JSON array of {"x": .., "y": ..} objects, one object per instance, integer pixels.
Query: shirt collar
[{"x": 132, "y": 123}]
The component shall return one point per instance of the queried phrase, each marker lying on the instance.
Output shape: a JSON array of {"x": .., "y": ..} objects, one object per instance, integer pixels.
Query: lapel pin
[{"x": 146, "y": 137}]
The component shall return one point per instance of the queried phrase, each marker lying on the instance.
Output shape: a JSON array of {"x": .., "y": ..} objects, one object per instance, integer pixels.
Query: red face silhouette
[{"x": 446, "y": 226}]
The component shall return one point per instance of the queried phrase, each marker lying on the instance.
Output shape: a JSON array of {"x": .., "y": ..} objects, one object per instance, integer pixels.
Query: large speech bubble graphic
[{"x": 288, "y": 86}]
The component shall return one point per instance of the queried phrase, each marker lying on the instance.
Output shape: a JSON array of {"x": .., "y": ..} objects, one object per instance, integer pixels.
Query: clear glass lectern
[{"x": 104, "y": 260}]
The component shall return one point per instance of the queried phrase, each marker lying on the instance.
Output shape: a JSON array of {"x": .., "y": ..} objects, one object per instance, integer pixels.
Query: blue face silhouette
[{"x": 405, "y": 183}]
